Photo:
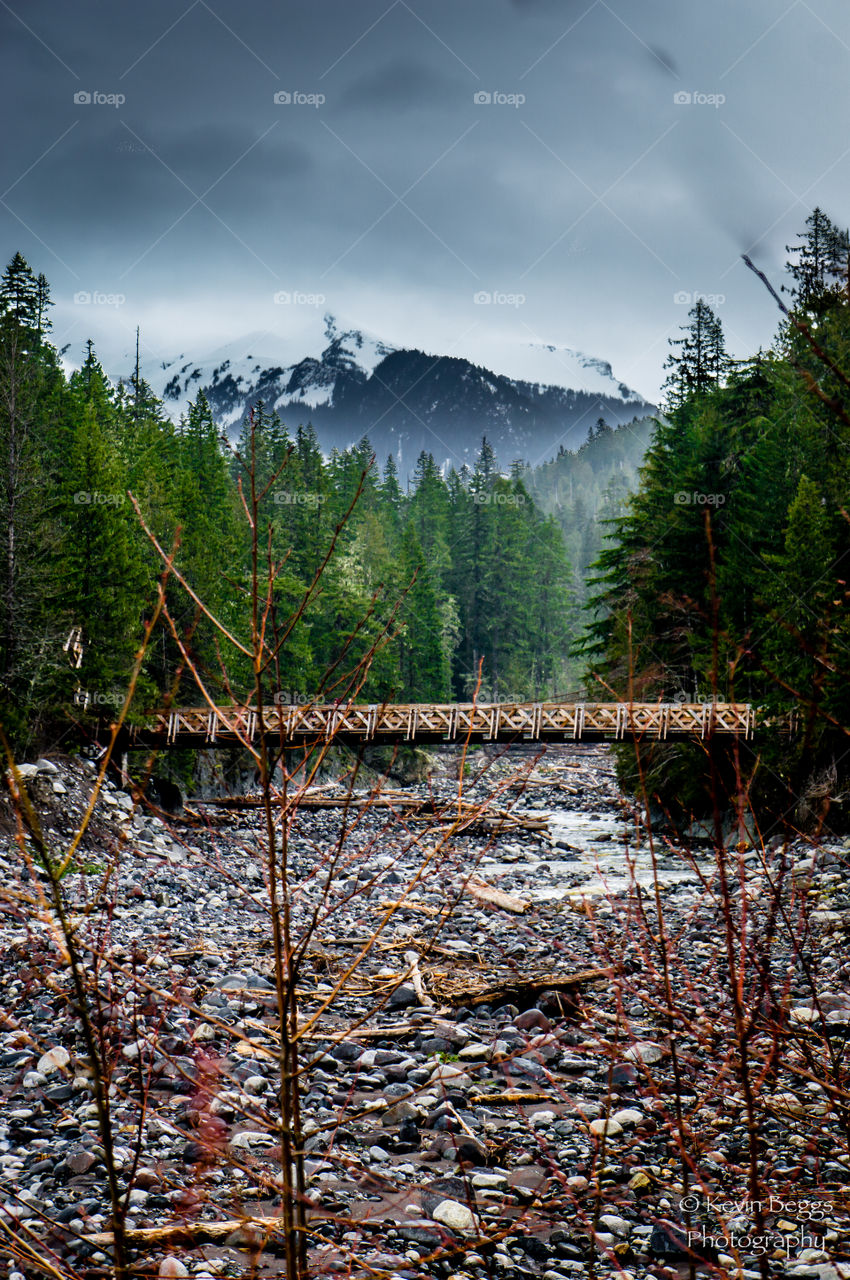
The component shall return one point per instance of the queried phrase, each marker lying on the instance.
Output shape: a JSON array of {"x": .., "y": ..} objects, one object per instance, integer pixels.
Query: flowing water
[{"x": 596, "y": 864}]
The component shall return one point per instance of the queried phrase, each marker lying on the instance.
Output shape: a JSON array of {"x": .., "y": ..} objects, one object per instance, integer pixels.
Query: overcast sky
[{"x": 430, "y": 151}]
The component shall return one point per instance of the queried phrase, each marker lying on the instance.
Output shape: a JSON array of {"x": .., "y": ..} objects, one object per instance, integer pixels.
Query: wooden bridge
[{"x": 292, "y": 725}]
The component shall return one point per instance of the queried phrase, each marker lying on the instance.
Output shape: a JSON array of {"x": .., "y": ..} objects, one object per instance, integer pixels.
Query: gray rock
[
  {"x": 644, "y": 1051},
  {"x": 457, "y": 1217},
  {"x": 403, "y": 997},
  {"x": 53, "y": 1060},
  {"x": 609, "y": 1127},
  {"x": 247, "y": 981},
  {"x": 394, "y": 1115}
]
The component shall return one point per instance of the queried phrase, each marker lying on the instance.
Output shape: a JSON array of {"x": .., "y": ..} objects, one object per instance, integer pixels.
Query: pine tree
[
  {"x": 104, "y": 585},
  {"x": 698, "y": 360},
  {"x": 29, "y": 378},
  {"x": 428, "y": 511},
  {"x": 423, "y": 662},
  {"x": 798, "y": 593},
  {"x": 206, "y": 510},
  {"x": 820, "y": 262}
]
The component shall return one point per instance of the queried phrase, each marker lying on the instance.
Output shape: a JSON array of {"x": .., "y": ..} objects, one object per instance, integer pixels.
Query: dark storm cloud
[
  {"x": 403, "y": 84},
  {"x": 418, "y": 153}
]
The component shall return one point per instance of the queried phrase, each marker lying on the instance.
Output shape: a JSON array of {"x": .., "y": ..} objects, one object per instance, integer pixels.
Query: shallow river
[{"x": 597, "y": 862}]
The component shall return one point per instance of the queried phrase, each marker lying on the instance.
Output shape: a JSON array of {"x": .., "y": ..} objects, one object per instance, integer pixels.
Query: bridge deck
[{"x": 452, "y": 722}]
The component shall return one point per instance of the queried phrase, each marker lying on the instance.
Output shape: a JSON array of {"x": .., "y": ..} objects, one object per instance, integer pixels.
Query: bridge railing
[{"x": 538, "y": 721}]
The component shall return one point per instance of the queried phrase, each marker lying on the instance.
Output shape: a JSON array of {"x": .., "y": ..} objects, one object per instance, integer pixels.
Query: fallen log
[
  {"x": 461, "y": 989},
  {"x": 255, "y": 1231},
  {"x": 470, "y": 819},
  {"x": 507, "y": 1098},
  {"x": 480, "y": 820},
  {"x": 317, "y": 802},
  {"x": 408, "y": 905},
  {"x": 483, "y": 892},
  {"x": 415, "y": 976}
]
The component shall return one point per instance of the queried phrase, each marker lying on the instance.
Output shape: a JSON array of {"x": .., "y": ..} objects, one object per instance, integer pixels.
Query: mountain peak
[{"x": 349, "y": 383}]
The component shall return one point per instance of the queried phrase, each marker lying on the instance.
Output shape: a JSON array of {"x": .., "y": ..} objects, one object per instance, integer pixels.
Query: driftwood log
[
  {"x": 469, "y": 818},
  {"x": 414, "y": 974},
  {"x": 483, "y": 892},
  {"x": 508, "y": 1098},
  {"x": 252, "y": 1230},
  {"x": 462, "y": 989}
]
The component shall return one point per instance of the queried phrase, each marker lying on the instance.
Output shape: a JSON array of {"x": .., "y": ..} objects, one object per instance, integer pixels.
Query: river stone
[
  {"x": 172, "y": 1266},
  {"x": 455, "y": 1216},
  {"x": 628, "y": 1117},
  {"x": 532, "y": 1019},
  {"x": 403, "y": 997},
  {"x": 54, "y": 1060},
  {"x": 78, "y": 1161},
  {"x": 610, "y": 1128},
  {"x": 450, "y": 1077},
  {"x": 644, "y": 1051},
  {"x": 396, "y": 1115},
  {"x": 619, "y": 1226},
  {"x": 247, "y": 981},
  {"x": 252, "y": 1138},
  {"x": 523, "y": 1067},
  {"x": 440, "y": 1189},
  {"x": 804, "y": 1014},
  {"x": 476, "y": 1052},
  {"x": 255, "y": 1085}
]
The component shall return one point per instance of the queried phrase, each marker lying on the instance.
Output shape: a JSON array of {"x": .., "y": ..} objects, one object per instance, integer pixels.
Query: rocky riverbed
[{"x": 550, "y": 1085}]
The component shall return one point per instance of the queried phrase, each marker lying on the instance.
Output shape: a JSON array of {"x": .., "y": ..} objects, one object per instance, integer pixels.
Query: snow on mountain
[
  {"x": 350, "y": 384},
  {"x": 549, "y": 365},
  {"x": 259, "y": 366}
]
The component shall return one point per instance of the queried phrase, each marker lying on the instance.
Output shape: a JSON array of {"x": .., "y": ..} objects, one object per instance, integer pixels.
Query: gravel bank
[{"x": 537, "y": 1135}]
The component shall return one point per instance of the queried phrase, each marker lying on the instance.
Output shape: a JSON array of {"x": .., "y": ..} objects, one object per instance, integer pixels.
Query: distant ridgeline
[
  {"x": 587, "y": 488},
  {"x": 459, "y": 570},
  {"x": 729, "y": 568},
  {"x": 406, "y": 401}
]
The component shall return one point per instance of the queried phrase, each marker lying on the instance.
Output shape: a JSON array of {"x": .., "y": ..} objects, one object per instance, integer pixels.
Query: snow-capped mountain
[{"x": 353, "y": 385}]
